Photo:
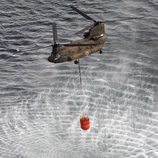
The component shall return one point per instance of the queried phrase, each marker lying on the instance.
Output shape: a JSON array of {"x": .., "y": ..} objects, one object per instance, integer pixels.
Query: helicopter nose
[
  {"x": 54, "y": 58},
  {"x": 50, "y": 58}
]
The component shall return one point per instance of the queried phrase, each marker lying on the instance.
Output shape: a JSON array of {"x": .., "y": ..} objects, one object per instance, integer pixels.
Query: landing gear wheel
[
  {"x": 76, "y": 62},
  {"x": 100, "y": 52}
]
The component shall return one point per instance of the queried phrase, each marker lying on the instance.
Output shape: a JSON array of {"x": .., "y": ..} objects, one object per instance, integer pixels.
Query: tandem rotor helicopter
[{"x": 92, "y": 42}]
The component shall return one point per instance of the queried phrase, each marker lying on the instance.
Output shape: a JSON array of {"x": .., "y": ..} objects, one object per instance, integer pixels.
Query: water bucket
[{"x": 85, "y": 122}]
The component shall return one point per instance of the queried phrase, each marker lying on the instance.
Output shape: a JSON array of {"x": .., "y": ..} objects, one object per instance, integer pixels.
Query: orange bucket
[{"x": 85, "y": 122}]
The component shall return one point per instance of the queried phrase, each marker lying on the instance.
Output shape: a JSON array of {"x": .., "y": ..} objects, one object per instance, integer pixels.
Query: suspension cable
[{"x": 80, "y": 72}]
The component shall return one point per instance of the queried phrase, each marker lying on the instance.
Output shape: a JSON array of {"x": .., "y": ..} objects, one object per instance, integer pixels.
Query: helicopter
[{"x": 92, "y": 42}]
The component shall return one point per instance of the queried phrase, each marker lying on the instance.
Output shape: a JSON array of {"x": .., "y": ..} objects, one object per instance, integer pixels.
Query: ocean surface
[{"x": 41, "y": 103}]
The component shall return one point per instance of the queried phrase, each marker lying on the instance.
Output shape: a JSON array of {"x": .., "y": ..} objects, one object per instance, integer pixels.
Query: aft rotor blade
[
  {"x": 83, "y": 14},
  {"x": 78, "y": 44},
  {"x": 84, "y": 29},
  {"x": 123, "y": 19},
  {"x": 54, "y": 28}
]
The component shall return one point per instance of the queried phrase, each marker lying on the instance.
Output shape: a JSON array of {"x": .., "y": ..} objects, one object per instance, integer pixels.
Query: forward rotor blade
[
  {"x": 83, "y": 14},
  {"x": 54, "y": 28},
  {"x": 35, "y": 48},
  {"x": 78, "y": 44}
]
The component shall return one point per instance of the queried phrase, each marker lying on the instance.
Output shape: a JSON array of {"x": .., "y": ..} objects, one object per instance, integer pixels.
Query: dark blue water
[{"x": 41, "y": 103}]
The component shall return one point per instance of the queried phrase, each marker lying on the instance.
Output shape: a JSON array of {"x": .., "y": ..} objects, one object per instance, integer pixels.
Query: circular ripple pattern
[{"x": 41, "y": 103}]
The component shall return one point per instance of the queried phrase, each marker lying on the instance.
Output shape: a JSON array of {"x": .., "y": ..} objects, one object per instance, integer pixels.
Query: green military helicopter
[{"x": 92, "y": 42}]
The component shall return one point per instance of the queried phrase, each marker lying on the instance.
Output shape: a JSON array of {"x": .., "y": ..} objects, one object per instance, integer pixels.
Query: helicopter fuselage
[{"x": 95, "y": 36}]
